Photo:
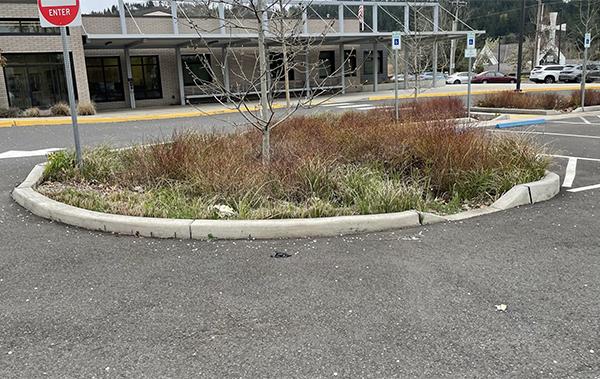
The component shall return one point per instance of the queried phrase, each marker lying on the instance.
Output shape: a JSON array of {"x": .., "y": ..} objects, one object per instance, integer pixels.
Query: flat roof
[{"x": 164, "y": 41}]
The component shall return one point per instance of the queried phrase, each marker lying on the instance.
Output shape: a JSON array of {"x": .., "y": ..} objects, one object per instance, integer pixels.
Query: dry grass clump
[
  {"x": 592, "y": 98},
  {"x": 10, "y": 112},
  {"x": 60, "y": 109},
  {"x": 86, "y": 109},
  {"x": 326, "y": 165},
  {"x": 32, "y": 112},
  {"x": 510, "y": 99}
]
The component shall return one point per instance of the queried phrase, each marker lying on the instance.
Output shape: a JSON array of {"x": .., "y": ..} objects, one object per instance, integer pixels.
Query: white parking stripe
[
  {"x": 578, "y": 158},
  {"x": 353, "y": 106},
  {"x": 334, "y": 105},
  {"x": 547, "y": 134},
  {"x": 367, "y": 108},
  {"x": 24, "y": 153},
  {"x": 585, "y": 120},
  {"x": 567, "y": 122},
  {"x": 581, "y": 189},
  {"x": 570, "y": 173}
]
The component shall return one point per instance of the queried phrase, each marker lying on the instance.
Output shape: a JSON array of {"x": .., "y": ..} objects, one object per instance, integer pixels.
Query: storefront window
[
  {"x": 350, "y": 62},
  {"x": 24, "y": 26},
  {"x": 105, "y": 79},
  {"x": 326, "y": 63},
  {"x": 368, "y": 62},
  {"x": 276, "y": 66},
  {"x": 35, "y": 80},
  {"x": 146, "y": 77},
  {"x": 195, "y": 69}
]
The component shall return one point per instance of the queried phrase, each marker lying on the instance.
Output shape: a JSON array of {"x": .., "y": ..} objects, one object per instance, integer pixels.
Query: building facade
[{"x": 154, "y": 59}]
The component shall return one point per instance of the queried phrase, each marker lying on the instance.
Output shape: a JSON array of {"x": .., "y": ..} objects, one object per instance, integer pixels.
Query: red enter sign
[{"x": 58, "y": 12}]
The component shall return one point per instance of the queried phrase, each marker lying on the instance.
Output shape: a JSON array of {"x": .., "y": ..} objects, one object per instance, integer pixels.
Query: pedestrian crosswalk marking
[{"x": 25, "y": 153}]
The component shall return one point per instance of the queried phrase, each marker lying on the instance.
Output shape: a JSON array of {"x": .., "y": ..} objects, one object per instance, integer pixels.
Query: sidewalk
[{"x": 173, "y": 112}]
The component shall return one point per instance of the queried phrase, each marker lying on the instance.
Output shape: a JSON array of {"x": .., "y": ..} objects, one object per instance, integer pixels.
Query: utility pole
[
  {"x": 520, "y": 52},
  {"x": 457, "y": 4}
]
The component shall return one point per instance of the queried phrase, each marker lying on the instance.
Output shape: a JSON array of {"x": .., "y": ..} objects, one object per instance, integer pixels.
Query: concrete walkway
[{"x": 174, "y": 112}]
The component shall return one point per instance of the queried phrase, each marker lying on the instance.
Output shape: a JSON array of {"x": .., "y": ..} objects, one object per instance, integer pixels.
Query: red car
[{"x": 493, "y": 77}]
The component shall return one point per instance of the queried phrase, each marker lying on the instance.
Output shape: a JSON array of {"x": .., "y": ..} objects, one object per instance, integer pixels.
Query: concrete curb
[
  {"x": 591, "y": 108},
  {"x": 40, "y": 205},
  {"x": 543, "y": 112}
]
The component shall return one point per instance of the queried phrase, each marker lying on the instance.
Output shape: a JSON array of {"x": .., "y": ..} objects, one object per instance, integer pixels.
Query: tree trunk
[{"x": 264, "y": 86}]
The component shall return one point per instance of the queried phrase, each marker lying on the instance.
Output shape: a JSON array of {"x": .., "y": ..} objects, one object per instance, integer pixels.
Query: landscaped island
[
  {"x": 326, "y": 165},
  {"x": 548, "y": 101}
]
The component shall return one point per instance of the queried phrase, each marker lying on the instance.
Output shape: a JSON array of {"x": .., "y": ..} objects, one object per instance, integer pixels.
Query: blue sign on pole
[{"x": 396, "y": 41}]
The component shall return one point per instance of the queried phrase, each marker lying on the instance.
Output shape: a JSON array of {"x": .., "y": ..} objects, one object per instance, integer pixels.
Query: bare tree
[
  {"x": 283, "y": 48},
  {"x": 420, "y": 49}
]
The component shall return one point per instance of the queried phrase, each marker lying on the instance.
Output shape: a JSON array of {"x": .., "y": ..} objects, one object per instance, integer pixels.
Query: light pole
[
  {"x": 457, "y": 4},
  {"x": 587, "y": 39},
  {"x": 520, "y": 53}
]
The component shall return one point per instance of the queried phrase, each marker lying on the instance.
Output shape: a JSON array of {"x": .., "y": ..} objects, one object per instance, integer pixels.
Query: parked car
[
  {"x": 493, "y": 77},
  {"x": 458, "y": 78},
  {"x": 429, "y": 76},
  {"x": 546, "y": 74},
  {"x": 401, "y": 77},
  {"x": 594, "y": 76},
  {"x": 573, "y": 74}
]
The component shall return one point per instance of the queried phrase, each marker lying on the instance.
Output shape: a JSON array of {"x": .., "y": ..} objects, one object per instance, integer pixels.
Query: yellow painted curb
[{"x": 106, "y": 120}]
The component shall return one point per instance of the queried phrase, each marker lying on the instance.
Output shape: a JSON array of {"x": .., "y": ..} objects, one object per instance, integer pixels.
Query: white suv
[{"x": 545, "y": 74}]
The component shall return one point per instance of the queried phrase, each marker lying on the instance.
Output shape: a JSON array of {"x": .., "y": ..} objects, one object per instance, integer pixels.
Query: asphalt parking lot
[
  {"x": 574, "y": 144},
  {"x": 411, "y": 303}
]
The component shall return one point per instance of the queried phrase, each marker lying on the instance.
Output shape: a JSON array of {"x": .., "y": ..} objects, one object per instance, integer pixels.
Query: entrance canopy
[{"x": 158, "y": 41}]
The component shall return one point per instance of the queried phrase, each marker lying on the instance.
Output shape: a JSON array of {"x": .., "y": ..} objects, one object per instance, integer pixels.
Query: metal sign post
[
  {"x": 396, "y": 46},
  {"x": 62, "y": 14},
  {"x": 587, "y": 42},
  {"x": 71, "y": 92},
  {"x": 470, "y": 53}
]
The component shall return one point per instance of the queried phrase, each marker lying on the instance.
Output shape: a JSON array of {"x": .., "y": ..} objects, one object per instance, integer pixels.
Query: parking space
[{"x": 574, "y": 144}]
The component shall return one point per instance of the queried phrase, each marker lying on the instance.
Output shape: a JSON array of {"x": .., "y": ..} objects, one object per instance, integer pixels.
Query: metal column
[
  {"x": 122, "y": 16},
  {"x": 406, "y": 54},
  {"x": 225, "y": 61},
  {"x": 174, "y": 16},
  {"x": 71, "y": 93},
  {"x": 130, "y": 88},
  {"x": 307, "y": 72},
  {"x": 342, "y": 69},
  {"x": 180, "y": 75},
  {"x": 341, "y": 18},
  {"x": 375, "y": 19},
  {"x": 181, "y": 83},
  {"x": 436, "y": 20},
  {"x": 221, "y": 9},
  {"x": 375, "y": 67}
]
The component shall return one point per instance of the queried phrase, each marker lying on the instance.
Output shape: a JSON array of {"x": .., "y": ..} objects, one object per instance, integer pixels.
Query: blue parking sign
[{"x": 396, "y": 41}]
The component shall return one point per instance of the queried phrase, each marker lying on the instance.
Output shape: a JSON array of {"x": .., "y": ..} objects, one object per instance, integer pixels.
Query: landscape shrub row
[
  {"x": 549, "y": 101},
  {"x": 325, "y": 165},
  {"x": 58, "y": 109}
]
